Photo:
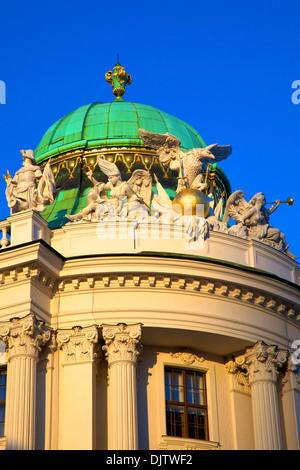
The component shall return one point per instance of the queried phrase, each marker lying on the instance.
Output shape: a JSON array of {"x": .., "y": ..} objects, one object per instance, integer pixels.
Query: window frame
[
  {"x": 157, "y": 419},
  {"x": 185, "y": 404}
]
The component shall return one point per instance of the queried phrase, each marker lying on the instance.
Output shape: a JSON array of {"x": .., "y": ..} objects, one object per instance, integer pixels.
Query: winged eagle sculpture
[{"x": 190, "y": 165}]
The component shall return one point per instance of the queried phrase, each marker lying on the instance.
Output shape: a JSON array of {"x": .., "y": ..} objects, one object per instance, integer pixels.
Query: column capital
[
  {"x": 78, "y": 344},
  {"x": 261, "y": 362},
  {"x": 25, "y": 336},
  {"x": 122, "y": 342},
  {"x": 291, "y": 378}
]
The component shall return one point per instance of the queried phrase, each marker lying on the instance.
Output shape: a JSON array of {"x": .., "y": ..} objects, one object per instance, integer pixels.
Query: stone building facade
[{"x": 118, "y": 334}]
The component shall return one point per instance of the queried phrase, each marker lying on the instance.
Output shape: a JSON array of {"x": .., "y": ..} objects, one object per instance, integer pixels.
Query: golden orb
[
  {"x": 290, "y": 201},
  {"x": 191, "y": 201}
]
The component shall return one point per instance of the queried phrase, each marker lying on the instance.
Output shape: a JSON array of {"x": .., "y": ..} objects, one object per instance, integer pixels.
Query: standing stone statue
[{"x": 30, "y": 188}]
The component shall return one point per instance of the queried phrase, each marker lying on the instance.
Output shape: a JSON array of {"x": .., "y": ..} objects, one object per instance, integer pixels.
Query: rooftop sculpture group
[
  {"x": 128, "y": 199},
  {"x": 252, "y": 220},
  {"x": 32, "y": 188}
]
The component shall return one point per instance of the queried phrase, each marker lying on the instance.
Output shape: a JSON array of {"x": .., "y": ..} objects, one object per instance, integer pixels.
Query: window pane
[
  {"x": 174, "y": 386},
  {"x": 175, "y": 421},
  {"x": 195, "y": 389},
  {"x": 2, "y": 387},
  {"x": 168, "y": 385},
  {"x": 2, "y": 420},
  {"x": 178, "y": 386},
  {"x": 201, "y": 398},
  {"x": 2, "y": 400},
  {"x": 197, "y": 428},
  {"x": 190, "y": 388}
]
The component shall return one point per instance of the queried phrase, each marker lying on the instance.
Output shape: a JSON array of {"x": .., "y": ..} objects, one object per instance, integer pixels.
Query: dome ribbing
[{"x": 108, "y": 125}]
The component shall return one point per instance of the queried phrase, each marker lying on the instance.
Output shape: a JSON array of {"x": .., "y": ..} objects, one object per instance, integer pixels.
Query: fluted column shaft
[
  {"x": 123, "y": 349},
  {"x": 23, "y": 338},
  {"x": 261, "y": 364},
  {"x": 20, "y": 403},
  {"x": 265, "y": 416}
]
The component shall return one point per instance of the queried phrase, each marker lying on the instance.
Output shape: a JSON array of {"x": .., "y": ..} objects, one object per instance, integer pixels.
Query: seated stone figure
[
  {"x": 127, "y": 199},
  {"x": 98, "y": 205}
]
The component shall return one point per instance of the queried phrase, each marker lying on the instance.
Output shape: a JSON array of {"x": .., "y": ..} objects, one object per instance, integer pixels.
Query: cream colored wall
[
  {"x": 213, "y": 307},
  {"x": 74, "y": 427},
  {"x": 151, "y": 391},
  {"x": 72, "y": 403}
]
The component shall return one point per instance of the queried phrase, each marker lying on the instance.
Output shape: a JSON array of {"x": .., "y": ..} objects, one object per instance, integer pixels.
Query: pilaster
[
  {"x": 291, "y": 404},
  {"x": 80, "y": 350}
]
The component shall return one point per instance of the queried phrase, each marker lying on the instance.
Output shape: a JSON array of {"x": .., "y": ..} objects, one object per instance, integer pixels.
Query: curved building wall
[{"x": 104, "y": 319}]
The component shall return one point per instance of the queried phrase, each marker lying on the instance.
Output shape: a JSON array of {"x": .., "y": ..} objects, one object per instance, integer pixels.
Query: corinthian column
[
  {"x": 261, "y": 364},
  {"x": 24, "y": 339},
  {"x": 123, "y": 349}
]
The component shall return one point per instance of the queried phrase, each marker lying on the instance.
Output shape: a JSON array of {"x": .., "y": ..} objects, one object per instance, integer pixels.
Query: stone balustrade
[{"x": 5, "y": 234}]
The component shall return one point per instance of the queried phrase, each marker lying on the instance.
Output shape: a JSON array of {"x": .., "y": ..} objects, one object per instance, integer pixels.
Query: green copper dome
[
  {"x": 107, "y": 125},
  {"x": 111, "y": 130}
]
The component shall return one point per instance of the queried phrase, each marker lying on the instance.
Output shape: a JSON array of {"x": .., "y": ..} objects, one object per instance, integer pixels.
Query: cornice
[
  {"x": 195, "y": 285},
  {"x": 160, "y": 262},
  {"x": 14, "y": 255},
  {"x": 162, "y": 281},
  {"x": 38, "y": 250},
  {"x": 32, "y": 271}
]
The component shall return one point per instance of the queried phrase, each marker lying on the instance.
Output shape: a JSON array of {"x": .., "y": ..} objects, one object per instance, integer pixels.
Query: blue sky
[{"x": 225, "y": 67}]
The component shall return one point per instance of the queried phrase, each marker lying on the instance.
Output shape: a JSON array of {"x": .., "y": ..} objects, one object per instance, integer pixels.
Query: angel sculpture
[
  {"x": 252, "y": 220},
  {"x": 98, "y": 205},
  {"x": 128, "y": 199},
  {"x": 191, "y": 165},
  {"x": 30, "y": 188}
]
